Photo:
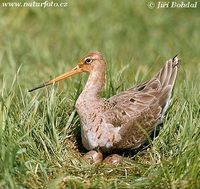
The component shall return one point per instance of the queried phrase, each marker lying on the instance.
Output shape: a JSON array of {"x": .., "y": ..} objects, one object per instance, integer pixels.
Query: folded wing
[{"x": 138, "y": 110}]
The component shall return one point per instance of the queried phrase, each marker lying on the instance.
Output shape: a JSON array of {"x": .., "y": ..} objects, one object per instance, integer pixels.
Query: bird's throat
[
  {"x": 94, "y": 85},
  {"x": 89, "y": 100}
]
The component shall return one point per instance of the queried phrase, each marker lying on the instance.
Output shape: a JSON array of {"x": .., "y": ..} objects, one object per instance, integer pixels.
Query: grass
[{"x": 38, "y": 146}]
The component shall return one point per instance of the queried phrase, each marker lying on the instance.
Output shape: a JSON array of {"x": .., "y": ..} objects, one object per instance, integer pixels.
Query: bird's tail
[{"x": 167, "y": 75}]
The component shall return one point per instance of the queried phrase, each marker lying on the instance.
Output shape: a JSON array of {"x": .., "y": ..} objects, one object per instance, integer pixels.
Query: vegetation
[{"x": 39, "y": 131}]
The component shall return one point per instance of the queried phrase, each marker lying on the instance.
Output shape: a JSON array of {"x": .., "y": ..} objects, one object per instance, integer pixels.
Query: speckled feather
[{"x": 124, "y": 120}]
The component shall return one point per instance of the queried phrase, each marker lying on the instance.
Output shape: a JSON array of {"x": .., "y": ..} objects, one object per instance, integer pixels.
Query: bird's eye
[{"x": 88, "y": 60}]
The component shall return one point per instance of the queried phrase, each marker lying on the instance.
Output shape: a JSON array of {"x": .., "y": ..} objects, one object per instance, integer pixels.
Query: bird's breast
[
  {"x": 95, "y": 131},
  {"x": 97, "y": 134}
]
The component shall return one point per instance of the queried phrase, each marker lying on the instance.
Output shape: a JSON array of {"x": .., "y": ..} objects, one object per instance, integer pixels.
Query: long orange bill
[{"x": 74, "y": 71}]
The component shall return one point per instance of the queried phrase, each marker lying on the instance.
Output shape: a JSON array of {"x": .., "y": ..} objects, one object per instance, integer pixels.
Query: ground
[{"x": 39, "y": 131}]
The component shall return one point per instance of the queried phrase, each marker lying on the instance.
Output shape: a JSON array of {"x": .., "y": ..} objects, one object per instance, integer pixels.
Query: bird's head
[{"x": 90, "y": 62}]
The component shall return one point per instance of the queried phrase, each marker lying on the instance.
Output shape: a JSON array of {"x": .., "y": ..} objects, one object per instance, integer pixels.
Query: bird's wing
[{"x": 138, "y": 110}]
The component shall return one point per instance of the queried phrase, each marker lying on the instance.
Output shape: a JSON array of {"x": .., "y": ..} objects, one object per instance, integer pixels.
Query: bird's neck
[
  {"x": 89, "y": 100},
  {"x": 94, "y": 85}
]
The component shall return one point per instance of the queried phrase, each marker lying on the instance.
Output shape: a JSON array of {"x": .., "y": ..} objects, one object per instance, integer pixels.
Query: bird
[{"x": 122, "y": 121}]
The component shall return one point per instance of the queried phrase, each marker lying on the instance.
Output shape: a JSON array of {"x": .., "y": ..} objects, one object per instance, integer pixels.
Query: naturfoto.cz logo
[{"x": 34, "y": 4}]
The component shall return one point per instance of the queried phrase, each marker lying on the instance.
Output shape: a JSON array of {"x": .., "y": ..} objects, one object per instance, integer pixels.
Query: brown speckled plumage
[{"x": 126, "y": 119}]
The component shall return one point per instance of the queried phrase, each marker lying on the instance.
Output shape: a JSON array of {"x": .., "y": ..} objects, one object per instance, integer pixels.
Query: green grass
[{"x": 38, "y": 146}]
